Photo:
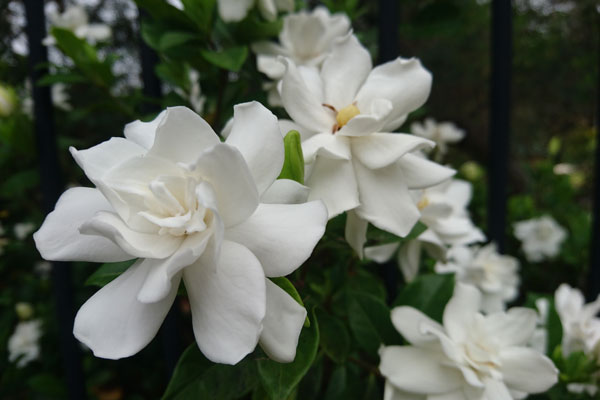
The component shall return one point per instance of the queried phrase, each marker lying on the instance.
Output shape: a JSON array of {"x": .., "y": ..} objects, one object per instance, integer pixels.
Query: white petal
[
  {"x": 270, "y": 65},
  {"x": 415, "y": 326},
  {"x": 255, "y": 133},
  {"x": 369, "y": 121},
  {"x": 527, "y": 370},
  {"x": 113, "y": 323},
  {"x": 420, "y": 173},
  {"x": 456, "y": 395},
  {"x": 496, "y": 390},
  {"x": 143, "y": 133},
  {"x": 282, "y": 324},
  {"x": 356, "y": 232},
  {"x": 391, "y": 393},
  {"x": 385, "y": 200},
  {"x": 182, "y": 135},
  {"x": 100, "y": 159},
  {"x": 281, "y": 236},
  {"x": 344, "y": 71},
  {"x": 267, "y": 9},
  {"x": 234, "y": 10},
  {"x": 158, "y": 283},
  {"x": 224, "y": 167},
  {"x": 228, "y": 304},
  {"x": 327, "y": 145},
  {"x": 333, "y": 182},
  {"x": 58, "y": 239},
  {"x": 301, "y": 103},
  {"x": 512, "y": 328},
  {"x": 382, "y": 149},
  {"x": 285, "y": 191},
  {"x": 138, "y": 244},
  {"x": 418, "y": 370},
  {"x": 403, "y": 81},
  {"x": 461, "y": 310},
  {"x": 381, "y": 253},
  {"x": 409, "y": 259}
]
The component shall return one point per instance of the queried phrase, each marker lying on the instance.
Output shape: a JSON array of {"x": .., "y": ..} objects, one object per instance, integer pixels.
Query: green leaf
[
  {"x": 379, "y": 236},
  {"x": 335, "y": 339},
  {"x": 65, "y": 77},
  {"x": 19, "y": 183},
  {"x": 174, "y": 39},
  {"x": 428, "y": 293},
  {"x": 290, "y": 289},
  {"x": 161, "y": 10},
  {"x": 195, "y": 377},
  {"x": 279, "y": 380},
  {"x": 201, "y": 12},
  {"x": 107, "y": 272},
  {"x": 49, "y": 386},
  {"x": 370, "y": 322},
  {"x": 293, "y": 164},
  {"x": 230, "y": 59},
  {"x": 337, "y": 384}
]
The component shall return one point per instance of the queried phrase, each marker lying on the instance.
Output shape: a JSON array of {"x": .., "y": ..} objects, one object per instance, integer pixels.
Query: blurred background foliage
[{"x": 554, "y": 83}]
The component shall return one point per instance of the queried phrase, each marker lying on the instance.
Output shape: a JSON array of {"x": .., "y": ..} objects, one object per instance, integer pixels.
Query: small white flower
[
  {"x": 196, "y": 210},
  {"x": 23, "y": 345},
  {"x": 580, "y": 388},
  {"x": 441, "y": 133},
  {"x": 306, "y": 38},
  {"x": 236, "y": 10},
  {"x": 75, "y": 19},
  {"x": 444, "y": 211},
  {"x": 539, "y": 339},
  {"x": 345, "y": 112},
  {"x": 540, "y": 237},
  {"x": 564, "y": 169},
  {"x": 581, "y": 326},
  {"x": 23, "y": 229},
  {"x": 472, "y": 356},
  {"x": 60, "y": 98},
  {"x": 193, "y": 94},
  {"x": 483, "y": 267}
]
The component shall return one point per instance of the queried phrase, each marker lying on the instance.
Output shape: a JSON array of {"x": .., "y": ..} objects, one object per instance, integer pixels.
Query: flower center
[
  {"x": 424, "y": 202},
  {"x": 346, "y": 114},
  {"x": 544, "y": 232}
]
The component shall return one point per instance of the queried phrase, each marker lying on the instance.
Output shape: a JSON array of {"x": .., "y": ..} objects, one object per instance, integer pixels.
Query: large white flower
[
  {"x": 75, "y": 19},
  {"x": 23, "y": 344},
  {"x": 344, "y": 111},
  {"x": 496, "y": 275},
  {"x": 236, "y": 10},
  {"x": 441, "y": 133},
  {"x": 471, "y": 357},
  {"x": 540, "y": 237},
  {"x": 306, "y": 38},
  {"x": 194, "y": 209},
  {"x": 581, "y": 326},
  {"x": 444, "y": 211}
]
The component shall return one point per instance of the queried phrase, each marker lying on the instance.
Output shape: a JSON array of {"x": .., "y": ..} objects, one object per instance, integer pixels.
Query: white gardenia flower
[
  {"x": 540, "y": 237},
  {"x": 581, "y": 326},
  {"x": 75, "y": 19},
  {"x": 344, "y": 112},
  {"x": 539, "y": 339},
  {"x": 472, "y": 356},
  {"x": 23, "y": 345},
  {"x": 236, "y": 10},
  {"x": 306, "y": 38},
  {"x": 444, "y": 210},
  {"x": 495, "y": 274},
  {"x": 194, "y": 209},
  {"x": 23, "y": 229},
  {"x": 441, "y": 133}
]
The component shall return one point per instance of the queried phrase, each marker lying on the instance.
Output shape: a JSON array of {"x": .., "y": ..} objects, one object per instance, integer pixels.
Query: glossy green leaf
[
  {"x": 230, "y": 59},
  {"x": 293, "y": 165},
  {"x": 335, "y": 339},
  {"x": 174, "y": 39},
  {"x": 201, "y": 12},
  {"x": 279, "y": 380},
  {"x": 428, "y": 293},
  {"x": 107, "y": 272}
]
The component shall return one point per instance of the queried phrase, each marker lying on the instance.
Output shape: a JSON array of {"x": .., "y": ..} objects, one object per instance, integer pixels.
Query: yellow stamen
[
  {"x": 346, "y": 114},
  {"x": 424, "y": 202}
]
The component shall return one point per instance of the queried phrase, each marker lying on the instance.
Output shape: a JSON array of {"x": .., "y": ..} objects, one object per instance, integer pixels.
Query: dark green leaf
[
  {"x": 201, "y": 12},
  {"x": 337, "y": 384},
  {"x": 174, "y": 39},
  {"x": 48, "y": 386},
  {"x": 370, "y": 322},
  {"x": 428, "y": 293},
  {"x": 335, "y": 339},
  {"x": 107, "y": 272},
  {"x": 279, "y": 380},
  {"x": 66, "y": 77},
  {"x": 230, "y": 59},
  {"x": 293, "y": 164}
]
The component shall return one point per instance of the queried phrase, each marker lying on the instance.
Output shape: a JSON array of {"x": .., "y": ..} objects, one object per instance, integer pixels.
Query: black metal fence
[{"x": 499, "y": 139}]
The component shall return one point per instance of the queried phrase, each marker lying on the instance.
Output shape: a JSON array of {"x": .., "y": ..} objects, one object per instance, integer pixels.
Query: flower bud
[{"x": 24, "y": 310}]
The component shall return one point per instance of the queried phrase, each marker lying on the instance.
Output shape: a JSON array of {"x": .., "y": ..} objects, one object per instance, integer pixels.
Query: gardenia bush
[{"x": 268, "y": 230}]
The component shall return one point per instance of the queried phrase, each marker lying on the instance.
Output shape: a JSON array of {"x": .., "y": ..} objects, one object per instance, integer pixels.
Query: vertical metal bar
[
  {"x": 501, "y": 59},
  {"x": 593, "y": 284},
  {"x": 388, "y": 50},
  {"x": 51, "y": 186},
  {"x": 152, "y": 89}
]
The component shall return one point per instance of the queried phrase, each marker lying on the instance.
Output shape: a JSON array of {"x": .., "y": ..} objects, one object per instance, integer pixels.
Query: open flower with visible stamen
[
  {"x": 471, "y": 357},
  {"x": 191, "y": 209},
  {"x": 345, "y": 112}
]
